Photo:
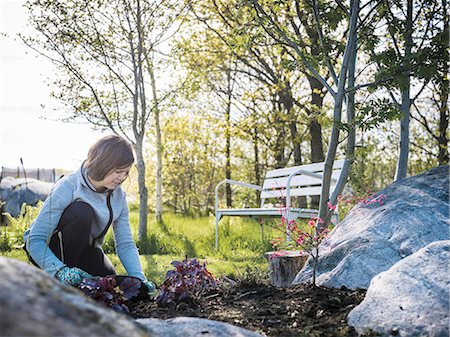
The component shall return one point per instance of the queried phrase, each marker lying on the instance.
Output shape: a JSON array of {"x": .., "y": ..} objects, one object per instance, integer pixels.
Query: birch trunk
[
  {"x": 159, "y": 150},
  {"x": 143, "y": 192},
  {"x": 351, "y": 140},
  {"x": 337, "y": 109},
  {"x": 402, "y": 164},
  {"x": 228, "y": 139}
]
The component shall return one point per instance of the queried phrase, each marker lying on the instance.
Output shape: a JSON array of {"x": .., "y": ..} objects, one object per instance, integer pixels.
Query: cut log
[{"x": 284, "y": 265}]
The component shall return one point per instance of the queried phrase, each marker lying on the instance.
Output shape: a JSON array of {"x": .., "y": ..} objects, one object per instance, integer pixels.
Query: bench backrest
[{"x": 275, "y": 182}]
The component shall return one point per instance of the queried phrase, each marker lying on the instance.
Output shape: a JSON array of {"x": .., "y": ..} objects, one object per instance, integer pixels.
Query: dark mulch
[{"x": 299, "y": 311}]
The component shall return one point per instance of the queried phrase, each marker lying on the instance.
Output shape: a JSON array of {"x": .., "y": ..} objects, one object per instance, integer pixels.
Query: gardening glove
[
  {"x": 72, "y": 276},
  {"x": 151, "y": 289}
]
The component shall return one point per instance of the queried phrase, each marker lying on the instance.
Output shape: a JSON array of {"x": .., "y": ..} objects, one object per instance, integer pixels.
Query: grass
[
  {"x": 178, "y": 237},
  {"x": 241, "y": 250}
]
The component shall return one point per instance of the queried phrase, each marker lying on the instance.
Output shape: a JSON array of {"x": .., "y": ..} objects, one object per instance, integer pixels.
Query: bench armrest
[
  {"x": 232, "y": 182},
  {"x": 306, "y": 173}
]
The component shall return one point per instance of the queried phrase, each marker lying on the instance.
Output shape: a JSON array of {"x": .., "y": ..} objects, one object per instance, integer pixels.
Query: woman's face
[{"x": 115, "y": 178}]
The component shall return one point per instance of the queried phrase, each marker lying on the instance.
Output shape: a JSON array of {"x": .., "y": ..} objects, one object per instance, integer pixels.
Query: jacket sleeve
[
  {"x": 125, "y": 246},
  {"x": 44, "y": 225}
]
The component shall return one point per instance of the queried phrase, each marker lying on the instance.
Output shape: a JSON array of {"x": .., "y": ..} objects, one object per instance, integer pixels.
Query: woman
[{"x": 66, "y": 237}]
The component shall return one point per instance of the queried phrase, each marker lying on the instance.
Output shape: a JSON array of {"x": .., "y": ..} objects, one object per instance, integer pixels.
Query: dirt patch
[{"x": 302, "y": 310}]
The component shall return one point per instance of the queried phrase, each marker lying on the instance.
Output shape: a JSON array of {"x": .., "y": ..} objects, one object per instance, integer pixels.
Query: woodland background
[{"x": 215, "y": 89}]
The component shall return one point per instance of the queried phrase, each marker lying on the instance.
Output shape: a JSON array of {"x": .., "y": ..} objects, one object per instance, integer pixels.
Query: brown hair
[{"x": 107, "y": 154}]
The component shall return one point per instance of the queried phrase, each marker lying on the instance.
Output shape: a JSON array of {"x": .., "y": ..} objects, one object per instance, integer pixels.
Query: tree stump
[{"x": 284, "y": 266}]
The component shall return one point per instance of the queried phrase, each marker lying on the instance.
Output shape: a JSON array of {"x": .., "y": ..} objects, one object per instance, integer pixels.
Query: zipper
[
  {"x": 108, "y": 204},
  {"x": 61, "y": 247}
]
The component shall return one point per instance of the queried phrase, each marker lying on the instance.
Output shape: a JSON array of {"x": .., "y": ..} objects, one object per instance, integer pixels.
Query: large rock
[
  {"x": 192, "y": 326},
  {"x": 374, "y": 237},
  {"x": 34, "y": 304},
  {"x": 15, "y": 192},
  {"x": 411, "y": 298}
]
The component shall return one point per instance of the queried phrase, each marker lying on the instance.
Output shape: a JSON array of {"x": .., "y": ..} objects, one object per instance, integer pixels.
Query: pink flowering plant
[
  {"x": 297, "y": 235},
  {"x": 308, "y": 237}
]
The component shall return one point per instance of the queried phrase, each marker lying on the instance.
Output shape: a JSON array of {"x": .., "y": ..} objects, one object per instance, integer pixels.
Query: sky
[{"x": 29, "y": 126}]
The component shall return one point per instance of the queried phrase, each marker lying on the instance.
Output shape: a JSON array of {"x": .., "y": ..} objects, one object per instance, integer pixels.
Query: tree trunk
[
  {"x": 351, "y": 140},
  {"x": 280, "y": 138},
  {"x": 228, "y": 139},
  {"x": 138, "y": 125},
  {"x": 256, "y": 167},
  {"x": 284, "y": 266},
  {"x": 296, "y": 143},
  {"x": 143, "y": 192},
  {"x": 402, "y": 164},
  {"x": 315, "y": 129},
  {"x": 287, "y": 102},
  {"x": 337, "y": 110},
  {"x": 443, "y": 154},
  {"x": 159, "y": 149}
]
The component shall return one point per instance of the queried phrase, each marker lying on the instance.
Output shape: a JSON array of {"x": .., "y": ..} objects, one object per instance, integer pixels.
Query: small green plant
[
  {"x": 17, "y": 226},
  {"x": 252, "y": 275},
  {"x": 5, "y": 244}
]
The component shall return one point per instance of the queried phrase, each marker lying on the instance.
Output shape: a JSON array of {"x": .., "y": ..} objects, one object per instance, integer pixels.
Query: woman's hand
[
  {"x": 151, "y": 289},
  {"x": 72, "y": 276}
]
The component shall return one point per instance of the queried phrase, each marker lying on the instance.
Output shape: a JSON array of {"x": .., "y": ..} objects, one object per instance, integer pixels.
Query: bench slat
[
  {"x": 296, "y": 181},
  {"x": 295, "y": 192},
  {"x": 315, "y": 168},
  {"x": 268, "y": 212}
]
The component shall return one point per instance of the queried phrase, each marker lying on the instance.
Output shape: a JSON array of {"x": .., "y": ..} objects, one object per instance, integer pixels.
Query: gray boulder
[
  {"x": 15, "y": 192},
  {"x": 34, "y": 304},
  {"x": 374, "y": 237},
  {"x": 195, "y": 327},
  {"x": 411, "y": 298}
]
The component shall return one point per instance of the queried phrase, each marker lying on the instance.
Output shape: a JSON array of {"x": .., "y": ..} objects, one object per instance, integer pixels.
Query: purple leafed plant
[
  {"x": 190, "y": 279},
  {"x": 107, "y": 292}
]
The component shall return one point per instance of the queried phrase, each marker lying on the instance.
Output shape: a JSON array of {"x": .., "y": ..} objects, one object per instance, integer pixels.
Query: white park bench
[{"x": 285, "y": 183}]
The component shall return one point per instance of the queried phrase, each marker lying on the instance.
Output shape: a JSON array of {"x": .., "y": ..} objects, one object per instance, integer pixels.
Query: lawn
[
  {"x": 241, "y": 245},
  {"x": 241, "y": 250}
]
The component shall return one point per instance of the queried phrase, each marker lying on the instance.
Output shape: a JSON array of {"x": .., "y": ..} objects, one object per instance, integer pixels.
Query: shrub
[
  {"x": 17, "y": 226},
  {"x": 308, "y": 238}
]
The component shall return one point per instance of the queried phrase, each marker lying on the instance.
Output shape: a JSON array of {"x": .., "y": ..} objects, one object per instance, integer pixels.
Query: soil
[{"x": 300, "y": 311}]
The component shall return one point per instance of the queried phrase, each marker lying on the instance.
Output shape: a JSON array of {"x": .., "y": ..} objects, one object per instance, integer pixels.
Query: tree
[
  {"x": 271, "y": 65},
  {"x": 213, "y": 71},
  {"x": 103, "y": 52},
  {"x": 339, "y": 90},
  {"x": 193, "y": 145},
  {"x": 438, "y": 93},
  {"x": 410, "y": 50}
]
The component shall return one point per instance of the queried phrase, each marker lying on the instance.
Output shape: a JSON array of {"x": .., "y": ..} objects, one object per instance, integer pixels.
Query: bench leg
[
  {"x": 218, "y": 216},
  {"x": 290, "y": 216}
]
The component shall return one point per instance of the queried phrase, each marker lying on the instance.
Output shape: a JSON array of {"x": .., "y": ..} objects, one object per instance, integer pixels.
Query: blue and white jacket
[{"x": 77, "y": 187}]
